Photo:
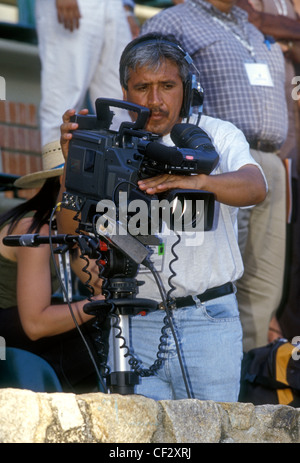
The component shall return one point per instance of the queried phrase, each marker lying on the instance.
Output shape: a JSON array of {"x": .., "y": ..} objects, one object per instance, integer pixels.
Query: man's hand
[
  {"x": 66, "y": 129},
  {"x": 68, "y": 14},
  {"x": 164, "y": 182},
  {"x": 64, "y": 217},
  {"x": 244, "y": 187}
]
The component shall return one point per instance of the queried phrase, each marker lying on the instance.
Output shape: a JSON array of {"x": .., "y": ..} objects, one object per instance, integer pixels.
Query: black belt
[
  {"x": 261, "y": 145},
  {"x": 212, "y": 293}
]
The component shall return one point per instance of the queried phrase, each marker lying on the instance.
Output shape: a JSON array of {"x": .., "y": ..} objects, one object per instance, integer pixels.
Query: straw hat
[{"x": 53, "y": 166}]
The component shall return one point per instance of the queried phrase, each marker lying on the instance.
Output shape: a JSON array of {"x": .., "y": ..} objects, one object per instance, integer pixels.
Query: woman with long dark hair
[{"x": 28, "y": 318}]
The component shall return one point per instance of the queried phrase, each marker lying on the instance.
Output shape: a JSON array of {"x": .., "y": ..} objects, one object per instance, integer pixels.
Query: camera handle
[{"x": 103, "y": 104}]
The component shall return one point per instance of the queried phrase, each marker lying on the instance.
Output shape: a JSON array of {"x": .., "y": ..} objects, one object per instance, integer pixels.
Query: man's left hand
[{"x": 165, "y": 182}]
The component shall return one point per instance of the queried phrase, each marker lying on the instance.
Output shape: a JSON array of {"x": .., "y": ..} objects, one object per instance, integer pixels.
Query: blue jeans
[{"x": 210, "y": 340}]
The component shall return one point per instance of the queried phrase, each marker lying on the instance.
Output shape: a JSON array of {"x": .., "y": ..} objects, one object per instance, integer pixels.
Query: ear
[{"x": 124, "y": 94}]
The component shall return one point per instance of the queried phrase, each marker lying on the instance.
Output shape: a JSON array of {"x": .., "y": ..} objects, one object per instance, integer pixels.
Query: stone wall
[{"x": 29, "y": 417}]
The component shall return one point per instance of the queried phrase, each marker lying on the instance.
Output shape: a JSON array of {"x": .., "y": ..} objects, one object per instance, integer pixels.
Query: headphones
[{"x": 193, "y": 94}]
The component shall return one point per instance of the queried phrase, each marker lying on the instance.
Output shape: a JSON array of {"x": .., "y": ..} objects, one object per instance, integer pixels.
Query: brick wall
[{"x": 20, "y": 145}]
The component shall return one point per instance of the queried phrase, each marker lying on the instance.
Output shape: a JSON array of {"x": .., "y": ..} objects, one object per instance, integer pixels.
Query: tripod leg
[{"x": 122, "y": 379}]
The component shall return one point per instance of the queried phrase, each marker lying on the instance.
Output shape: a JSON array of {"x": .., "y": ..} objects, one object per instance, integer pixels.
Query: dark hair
[
  {"x": 41, "y": 204},
  {"x": 151, "y": 50}
]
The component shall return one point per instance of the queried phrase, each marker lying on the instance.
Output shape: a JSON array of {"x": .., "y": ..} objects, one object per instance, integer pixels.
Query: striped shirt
[{"x": 220, "y": 45}]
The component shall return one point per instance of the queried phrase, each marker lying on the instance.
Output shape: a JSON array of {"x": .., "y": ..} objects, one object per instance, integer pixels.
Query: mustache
[{"x": 158, "y": 111}]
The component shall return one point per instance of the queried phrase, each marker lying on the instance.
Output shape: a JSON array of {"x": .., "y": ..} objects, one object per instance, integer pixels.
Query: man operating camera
[{"x": 155, "y": 72}]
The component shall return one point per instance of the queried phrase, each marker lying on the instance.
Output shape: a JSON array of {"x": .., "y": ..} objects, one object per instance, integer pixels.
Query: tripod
[
  {"x": 120, "y": 288},
  {"x": 121, "y": 304}
]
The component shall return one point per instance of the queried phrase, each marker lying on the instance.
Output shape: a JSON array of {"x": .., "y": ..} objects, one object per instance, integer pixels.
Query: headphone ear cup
[
  {"x": 187, "y": 97},
  {"x": 192, "y": 96},
  {"x": 197, "y": 96}
]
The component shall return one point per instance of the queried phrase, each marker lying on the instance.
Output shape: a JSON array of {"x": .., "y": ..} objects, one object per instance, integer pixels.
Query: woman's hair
[
  {"x": 41, "y": 205},
  {"x": 150, "y": 51}
]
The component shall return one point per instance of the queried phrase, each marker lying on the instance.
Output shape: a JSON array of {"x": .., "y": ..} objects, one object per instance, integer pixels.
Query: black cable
[
  {"x": 173, "y": 273},
  {"x": 106, "y": 293},
  {"x": 118, "y": 185},
  {"x": 155, "y": 274},
  {"x": 172, "y": 288},
  {"x": 68, "y": 301}
]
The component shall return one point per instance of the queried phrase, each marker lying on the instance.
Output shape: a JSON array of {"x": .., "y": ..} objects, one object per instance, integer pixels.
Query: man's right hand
[
  {"x": 64, "y": 217},
  {"x": 66, "y": 129},
  {"x": 68, "y": 14}
]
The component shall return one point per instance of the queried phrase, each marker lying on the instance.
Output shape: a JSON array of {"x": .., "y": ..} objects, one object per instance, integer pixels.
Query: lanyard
[{"x": 244, "y": 42}]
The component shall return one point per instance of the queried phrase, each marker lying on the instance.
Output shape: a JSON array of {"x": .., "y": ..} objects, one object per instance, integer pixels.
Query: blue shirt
[{"x": 220, "y": 45}]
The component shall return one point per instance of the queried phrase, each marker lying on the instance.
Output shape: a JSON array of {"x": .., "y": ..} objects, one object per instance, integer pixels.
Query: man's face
[{"x": 161, "y": 91}]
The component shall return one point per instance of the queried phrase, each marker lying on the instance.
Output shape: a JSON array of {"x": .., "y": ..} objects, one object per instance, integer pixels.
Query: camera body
[
  {"x": 102, "y": 162},
  {"x": 96, "y": 166}
]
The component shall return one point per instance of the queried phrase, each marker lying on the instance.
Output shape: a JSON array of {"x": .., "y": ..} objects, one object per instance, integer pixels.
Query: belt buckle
[{"x": 171, "y": 304}]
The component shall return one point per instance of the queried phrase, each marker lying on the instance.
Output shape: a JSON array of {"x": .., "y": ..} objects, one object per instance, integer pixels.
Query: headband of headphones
[{"x": 192, "y": 90}]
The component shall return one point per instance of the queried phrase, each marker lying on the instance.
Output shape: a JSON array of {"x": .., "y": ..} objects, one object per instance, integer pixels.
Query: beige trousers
[{"x": 262, "y": 234}]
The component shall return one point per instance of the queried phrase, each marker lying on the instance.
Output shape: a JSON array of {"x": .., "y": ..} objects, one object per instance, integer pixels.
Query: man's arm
[
  {"x": 131, "y": 18},
  {"x": 283, "y": 29},
  {"x": 244, "y": 187},
  {"x": 280, "y": 27}
]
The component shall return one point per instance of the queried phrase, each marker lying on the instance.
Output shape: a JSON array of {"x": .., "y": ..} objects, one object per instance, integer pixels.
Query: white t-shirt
[{"x": 211, "y": 258}]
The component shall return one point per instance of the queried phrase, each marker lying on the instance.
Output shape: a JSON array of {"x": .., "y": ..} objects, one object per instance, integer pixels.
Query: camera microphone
[
  {"x": 193, "y": 153},
  {"x": 190, "y": 136},
  {"x": 33, "y": 240}
]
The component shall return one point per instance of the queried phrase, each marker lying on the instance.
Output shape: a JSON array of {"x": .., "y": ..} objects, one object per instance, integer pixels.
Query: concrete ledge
[{"x": 29, "y": 417}]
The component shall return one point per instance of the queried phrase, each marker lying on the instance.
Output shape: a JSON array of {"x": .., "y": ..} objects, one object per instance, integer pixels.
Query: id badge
[{"x": 259, "y": 74}]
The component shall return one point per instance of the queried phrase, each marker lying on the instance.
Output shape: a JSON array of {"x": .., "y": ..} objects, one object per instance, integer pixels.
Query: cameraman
[{"x": 154, "y": 73}]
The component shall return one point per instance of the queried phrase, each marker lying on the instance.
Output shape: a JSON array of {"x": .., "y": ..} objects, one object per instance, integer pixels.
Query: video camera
[{"x": 104, "y": 165}]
